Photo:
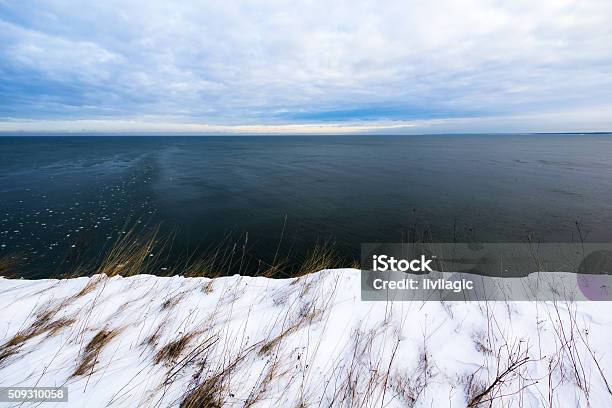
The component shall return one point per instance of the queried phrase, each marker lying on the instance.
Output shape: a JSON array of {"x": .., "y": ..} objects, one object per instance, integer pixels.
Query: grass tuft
[
  {"x": 171, "y": 351},
  {"x": 322, "y": 256},
  {"x": 205, "y": 395},
  {"x": 43, "y": 323},
  {"x": 93, "y": 350}
]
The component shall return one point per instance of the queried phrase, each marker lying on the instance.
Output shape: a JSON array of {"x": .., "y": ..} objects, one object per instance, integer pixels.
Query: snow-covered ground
[{"x": 307, "y": 342}]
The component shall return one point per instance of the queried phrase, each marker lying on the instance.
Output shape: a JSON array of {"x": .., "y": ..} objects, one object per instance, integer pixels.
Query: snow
[{"x": 308, "y": 341}]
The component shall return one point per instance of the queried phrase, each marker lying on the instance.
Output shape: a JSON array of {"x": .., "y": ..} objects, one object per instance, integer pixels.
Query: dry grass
[
  {"x": 208, "y": 287},
  {"x": 271, "y": 344},
  {"x": 361, "y": 375},
  {"x": 482, "y": 342},
  {"x": 205, "y": 395},
  {"x": 93, "y": 350},
  {"x": 91, "y": 284},
  {"x": 133, "y": 254},
  {"x": 172, "y": 351},
  {"x": 172, "y": 301},
  {"x": 472, "y": 387},
  {"x": 209, "y": 266},
  {"x": 9, "y": 266},
  {"x": 224, "y": 258},
  {"x": 322, "y": 256},
  {"x": 487, "y": 394},
  {"x": 144, "y": 250},
  {"x": 43, "y": 324},
  {"x": 153, "y": 339}
]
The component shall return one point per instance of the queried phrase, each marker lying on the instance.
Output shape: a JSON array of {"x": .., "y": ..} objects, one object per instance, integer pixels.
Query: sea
[{"x": 65, "y": 198}]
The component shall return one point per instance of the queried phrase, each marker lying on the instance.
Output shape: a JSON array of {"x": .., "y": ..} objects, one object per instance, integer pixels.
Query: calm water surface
[{"x": 61, "y": 197}]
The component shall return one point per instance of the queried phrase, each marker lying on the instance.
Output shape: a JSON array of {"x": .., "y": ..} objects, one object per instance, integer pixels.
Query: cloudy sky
[{"x": 329, "y": 66}]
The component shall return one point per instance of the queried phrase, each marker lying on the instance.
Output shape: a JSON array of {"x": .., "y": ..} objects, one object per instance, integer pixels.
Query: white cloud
[{"x": 280, "y": 62}]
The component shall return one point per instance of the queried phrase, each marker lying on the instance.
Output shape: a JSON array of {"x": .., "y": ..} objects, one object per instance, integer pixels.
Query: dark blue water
[{"x": 61, "y": 197}]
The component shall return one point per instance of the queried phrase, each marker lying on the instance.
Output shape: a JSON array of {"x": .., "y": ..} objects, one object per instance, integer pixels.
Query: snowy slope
[{"x": 307, "y": 342}]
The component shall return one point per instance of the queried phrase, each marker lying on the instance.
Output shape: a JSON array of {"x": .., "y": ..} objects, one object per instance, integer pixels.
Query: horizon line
[{"x": 221, "y": 134}]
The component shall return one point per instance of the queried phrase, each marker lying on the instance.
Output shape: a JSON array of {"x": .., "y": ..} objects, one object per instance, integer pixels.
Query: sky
[{"x": 274, "y": 66}]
